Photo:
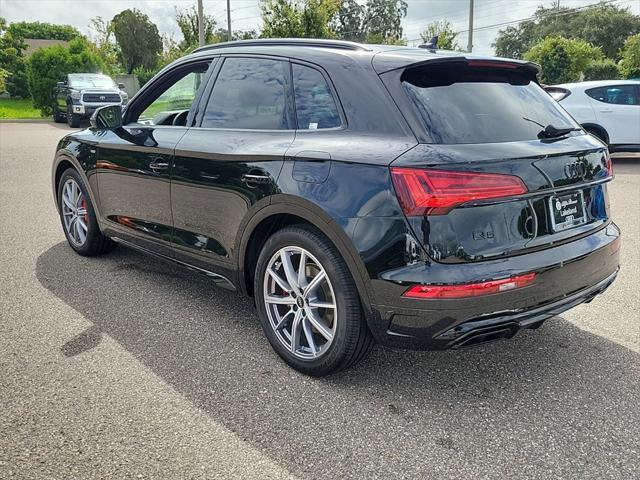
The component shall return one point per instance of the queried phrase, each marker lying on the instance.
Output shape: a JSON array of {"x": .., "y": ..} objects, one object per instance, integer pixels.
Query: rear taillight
[
  {"x": 609, "y": 164},
  {"x": 470, "y": 289},
  {"x": 435, "y": 192}
]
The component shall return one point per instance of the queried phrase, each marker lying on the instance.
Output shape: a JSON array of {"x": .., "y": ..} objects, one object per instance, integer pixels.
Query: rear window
[{"x": 458, "y": 103}]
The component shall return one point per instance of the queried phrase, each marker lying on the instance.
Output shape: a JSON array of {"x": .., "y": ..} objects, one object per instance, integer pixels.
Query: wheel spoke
[
  {"x": 289, "y": 271},
  {"x": 82, "y": 225},
  {"x": 316, "y": 304},
  {"x": 319, "y": 325},
  {"x": 72, "y": 229},
  {"x": 315, "y": 282},
  {"x": 67, "y": 200},
  {"x": 302, "y": 271},
  {"x": 82, "y": 211},
  {"x": 306, "y": 327},
  {"x": 283, "y": 285},
  {"x": 67, "y": 191},
  {"x": 283, "y": 320},
  {"x": 81, "y": 234},
  {"x": 295, "y": 331},
  {"x": 280, "y": 300}
]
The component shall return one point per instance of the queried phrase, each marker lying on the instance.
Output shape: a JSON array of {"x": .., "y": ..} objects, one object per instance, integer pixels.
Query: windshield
[
  {"x": 466, "y": 104},
  {"x": 91, "y": 81}
]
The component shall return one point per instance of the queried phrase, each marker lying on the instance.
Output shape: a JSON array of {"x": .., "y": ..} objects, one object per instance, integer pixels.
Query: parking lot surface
[{"x": 122, "y": 366}]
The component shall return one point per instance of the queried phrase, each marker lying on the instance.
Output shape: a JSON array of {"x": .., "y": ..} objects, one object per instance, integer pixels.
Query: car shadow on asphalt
[{"x": 552, "y": 389}]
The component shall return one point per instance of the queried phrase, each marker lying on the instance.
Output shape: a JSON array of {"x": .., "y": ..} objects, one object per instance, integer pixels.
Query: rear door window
[
  {"x": 459, "y": 104},
  {"x": 615, "y": 94},
  {"x": 315, "y": 105},
  {"x": 249, "y": 93}
]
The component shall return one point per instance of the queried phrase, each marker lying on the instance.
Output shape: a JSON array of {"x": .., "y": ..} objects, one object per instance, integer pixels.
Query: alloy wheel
[
  {"x": 300, "y": 302},
  {"x": 74, "y": 212}
]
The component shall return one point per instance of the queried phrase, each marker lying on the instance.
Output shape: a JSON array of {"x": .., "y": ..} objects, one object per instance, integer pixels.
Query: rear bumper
[{"x": 567, "y": 275}]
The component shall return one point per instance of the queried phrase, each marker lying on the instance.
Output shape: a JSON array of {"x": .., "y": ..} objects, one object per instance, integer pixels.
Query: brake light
[
  {"x": 435, "y": 192},
  {"x": 492, "y": 64},
  {"x": 609, "y": 164},
  {"x": 470, "y": 289}
]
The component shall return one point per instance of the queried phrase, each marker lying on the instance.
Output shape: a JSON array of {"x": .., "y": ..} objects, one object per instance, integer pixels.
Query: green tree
[
  {"x": 630, "y": 57},
  {"x": 220, "y": 35},
  {"x": 602, "y": 70},
  {"x": 188, "y": 22},
  {"x": 12, "y": 62},
  {"x": 379, "y": 21},
  {"x": 138, "y": 39},
  {"x": 298, "y": 18},
  {"x": 103, "y": 41},
  {"x": 49, "y": 65},
  {"x": 43, "y": 30},
  {"x": 562, "y": 60},
  {"x": 603, "y": 25},
  {"x": 447, "y": 38}
]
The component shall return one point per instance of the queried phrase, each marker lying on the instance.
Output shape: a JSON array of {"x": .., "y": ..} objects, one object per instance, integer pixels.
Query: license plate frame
[{"x": 561, "y": 210}]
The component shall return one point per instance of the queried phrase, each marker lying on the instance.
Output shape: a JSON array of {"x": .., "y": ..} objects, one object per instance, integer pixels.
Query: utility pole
[
  {"x": 200, "y": 24},
  {"x": 470, "y": 41},
  {"x": 229, "y": 20}
]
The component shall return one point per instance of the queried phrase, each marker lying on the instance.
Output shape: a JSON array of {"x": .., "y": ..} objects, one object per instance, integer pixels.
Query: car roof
[
  {"x": 383, "y": 57},
  {"x": 594, "y": 84}
]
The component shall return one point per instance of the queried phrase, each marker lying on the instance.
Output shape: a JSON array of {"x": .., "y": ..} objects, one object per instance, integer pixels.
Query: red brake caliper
[{"x": 85, "y": 217}]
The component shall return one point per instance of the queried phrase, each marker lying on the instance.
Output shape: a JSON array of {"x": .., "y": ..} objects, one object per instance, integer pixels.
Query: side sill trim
[{"x": 219, "y": 280}]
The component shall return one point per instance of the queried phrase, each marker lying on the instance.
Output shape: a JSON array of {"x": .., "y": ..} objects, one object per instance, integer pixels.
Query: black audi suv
[{"x": 360, "y": 193}]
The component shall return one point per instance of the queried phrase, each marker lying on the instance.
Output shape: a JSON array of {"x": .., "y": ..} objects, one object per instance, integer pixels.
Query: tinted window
[
  {"x": 617, "y": 94},
  {"x": 468, "y": 104},
  {"x": 315, "y": 106},
  {"x": 175, "y": 99},
  {"x": 248, "y": 93}
]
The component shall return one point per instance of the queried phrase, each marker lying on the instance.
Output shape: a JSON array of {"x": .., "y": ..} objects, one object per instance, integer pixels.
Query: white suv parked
[{"x": 608, "y": 109}]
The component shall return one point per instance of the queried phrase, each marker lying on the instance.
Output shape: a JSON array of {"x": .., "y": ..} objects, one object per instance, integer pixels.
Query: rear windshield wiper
[{"x": 551, "y": 131}]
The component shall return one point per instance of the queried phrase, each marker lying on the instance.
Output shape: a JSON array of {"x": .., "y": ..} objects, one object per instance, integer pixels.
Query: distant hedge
[
  {"x": 49, "y": 65},
  {"x": 604, "y": 70}
]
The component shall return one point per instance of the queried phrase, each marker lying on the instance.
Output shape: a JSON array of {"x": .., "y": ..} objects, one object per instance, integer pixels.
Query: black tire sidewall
[
  {"x": 347, "y": 300},
  {"x": 93, "y": 230},
  {"x": 72, "y": 120}
]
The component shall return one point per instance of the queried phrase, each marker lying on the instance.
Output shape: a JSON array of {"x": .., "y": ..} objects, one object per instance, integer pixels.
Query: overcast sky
[{"x": 245, "y": 14}]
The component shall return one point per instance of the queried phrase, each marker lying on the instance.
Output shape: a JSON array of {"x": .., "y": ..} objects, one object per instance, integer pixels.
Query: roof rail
[{"x": 286, "y": 42}]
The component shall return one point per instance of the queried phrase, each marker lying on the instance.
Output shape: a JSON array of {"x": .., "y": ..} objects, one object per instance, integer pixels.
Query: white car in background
[{"x": 608, "y": 109}]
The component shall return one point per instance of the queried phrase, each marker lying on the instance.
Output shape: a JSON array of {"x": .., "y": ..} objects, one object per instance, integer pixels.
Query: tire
[
  {"x": 89, "y": 241},
  {"x": 57, "y": 116},
  {"x": 344, "y": 323},
  {"x": 72, "y": 119}
]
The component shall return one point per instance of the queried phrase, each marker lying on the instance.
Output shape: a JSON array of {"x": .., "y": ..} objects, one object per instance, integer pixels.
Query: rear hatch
[{"x": 501, "y": 168}]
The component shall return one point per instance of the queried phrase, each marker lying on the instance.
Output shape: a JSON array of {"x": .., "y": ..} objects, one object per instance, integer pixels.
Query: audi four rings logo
[{"x": 575, "y": 170}]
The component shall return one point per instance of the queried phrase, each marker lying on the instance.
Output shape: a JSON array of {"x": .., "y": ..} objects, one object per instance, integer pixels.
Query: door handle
[
  {"x": 255, "y": 179},
  {"x": 159, "y": 165},
  {"x": 606, "y": 110}
]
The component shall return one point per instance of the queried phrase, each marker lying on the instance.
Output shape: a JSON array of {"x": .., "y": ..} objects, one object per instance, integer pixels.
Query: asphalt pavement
[{"x": 123, "y": 366}]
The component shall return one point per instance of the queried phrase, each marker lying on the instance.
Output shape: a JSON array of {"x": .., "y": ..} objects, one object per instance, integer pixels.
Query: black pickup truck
[{"x": 80, "y": 94}]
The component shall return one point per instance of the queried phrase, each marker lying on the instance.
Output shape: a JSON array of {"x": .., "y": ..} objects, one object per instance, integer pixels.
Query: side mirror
[
  {"x": 121, "y": 86},
  {"x": 108, "y": 117},
  {"x": 61, "y": 84}
]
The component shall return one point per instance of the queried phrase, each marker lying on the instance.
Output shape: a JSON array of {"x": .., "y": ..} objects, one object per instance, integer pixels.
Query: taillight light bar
[
  {"x": 609, "y": 164},
  {"x": 435, "y": 192},
  {"x": 470, "y": 289}
]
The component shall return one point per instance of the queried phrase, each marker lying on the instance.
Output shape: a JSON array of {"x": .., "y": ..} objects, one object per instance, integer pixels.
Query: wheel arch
[
  {"x": 588, "y": 126},
  {"x": 63, "y": 161},
  {"x": 283, "y": 212}
]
